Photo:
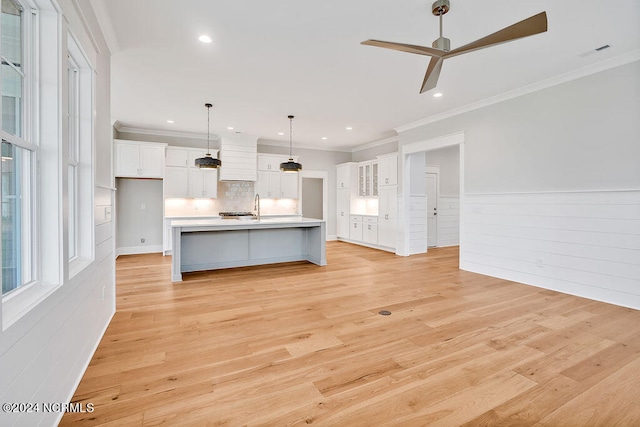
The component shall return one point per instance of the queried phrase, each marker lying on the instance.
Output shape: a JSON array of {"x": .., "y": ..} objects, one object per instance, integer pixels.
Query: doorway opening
[{"x": 313, "y": 194}]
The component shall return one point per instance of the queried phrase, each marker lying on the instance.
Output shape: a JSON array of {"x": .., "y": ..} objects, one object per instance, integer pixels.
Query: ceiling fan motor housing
[
  {"x": 442, "y": 43},
  {"x": 440, "y": 7}
]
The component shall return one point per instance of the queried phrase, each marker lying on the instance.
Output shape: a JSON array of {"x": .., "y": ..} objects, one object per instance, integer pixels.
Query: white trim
[
  {"x": 104, "y": 21},
  {"x": 616, "y": 61},
  {"x": 623, "y": 190},
  {"x": 134, "y": 250},
  {"x": 434, "y": 143},
  {"x": 269, "y": 142},
  {"x": 375, "y": 143},
  {"x": 318, "y": 174},
  {"x": 156, "y": 132}
]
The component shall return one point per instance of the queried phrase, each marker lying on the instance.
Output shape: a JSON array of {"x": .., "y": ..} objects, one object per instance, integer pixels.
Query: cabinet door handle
[
  {"x": 341, "y": 213},
  {"x": 369, "y": 227}
]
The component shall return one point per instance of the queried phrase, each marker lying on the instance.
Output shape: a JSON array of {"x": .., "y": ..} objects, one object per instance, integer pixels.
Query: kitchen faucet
[{"x": 256, "y": 204}]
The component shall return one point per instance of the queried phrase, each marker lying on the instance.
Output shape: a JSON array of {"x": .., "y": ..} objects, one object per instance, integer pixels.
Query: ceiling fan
[{"x": 440, "y": 49}]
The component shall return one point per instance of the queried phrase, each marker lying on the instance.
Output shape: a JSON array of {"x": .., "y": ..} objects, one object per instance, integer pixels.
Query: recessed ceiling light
[
  {"x": 204, "y": 38},
  {"x": 349, "y": 128},
  {"x": 170, "y": 121},
  {"x": 230, "y": 127},
  {"x": 324, "y": 137},
  {"x": 437, "y": 95},
  {"x": 280, "y": 133}
]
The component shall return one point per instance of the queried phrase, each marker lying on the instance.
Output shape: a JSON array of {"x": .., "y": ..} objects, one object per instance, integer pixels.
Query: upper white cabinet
[
  {"x": 277, "y": 185},
  {"x": 272, "y": 183},
  {"x": 388, "y": 169},
  {"x": 368, "y": 179},
  {"x": 184, "y": 180},
  {"x": 267, "y": 162},
  {"x": 135, "y": 159},
  {"x": 346, "y": 175},
  {"x": 238, "y": 153}
]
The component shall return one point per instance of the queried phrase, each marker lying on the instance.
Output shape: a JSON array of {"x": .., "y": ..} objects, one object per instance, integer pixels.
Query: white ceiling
[{"x": 272, "y": 58}]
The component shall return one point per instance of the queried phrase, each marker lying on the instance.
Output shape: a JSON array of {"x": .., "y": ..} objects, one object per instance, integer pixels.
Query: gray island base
[{"x": 213, "y": 244}]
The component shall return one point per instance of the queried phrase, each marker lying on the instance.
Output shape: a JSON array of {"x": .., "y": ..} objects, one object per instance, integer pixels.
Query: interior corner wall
[
  {"x": 44, "y": 354},
  {"x": 363, "y": 155},
  {"x": 552, "y": 186},
  {"x": 139, "y": 210}
]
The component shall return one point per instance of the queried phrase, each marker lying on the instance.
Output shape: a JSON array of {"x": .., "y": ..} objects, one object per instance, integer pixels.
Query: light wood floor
[{"x": 298, "y": 344}]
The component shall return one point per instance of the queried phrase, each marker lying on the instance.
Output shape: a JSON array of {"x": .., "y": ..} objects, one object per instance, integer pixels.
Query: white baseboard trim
[
  {"x": 332, "y": 237},
  {"x": 134, "y": 250}
]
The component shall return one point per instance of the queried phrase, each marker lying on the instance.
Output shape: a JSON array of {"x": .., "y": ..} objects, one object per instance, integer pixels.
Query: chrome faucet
[{"x": 256, "y": 204}]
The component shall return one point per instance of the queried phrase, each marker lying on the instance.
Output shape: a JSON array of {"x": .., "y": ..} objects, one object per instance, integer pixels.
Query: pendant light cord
[
  {"x": 208, "y": 119},
  {"x": 290, "y": 137}
]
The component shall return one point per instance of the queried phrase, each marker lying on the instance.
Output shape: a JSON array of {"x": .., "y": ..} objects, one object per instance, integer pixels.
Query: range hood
[{"x": 239, "y": 155}]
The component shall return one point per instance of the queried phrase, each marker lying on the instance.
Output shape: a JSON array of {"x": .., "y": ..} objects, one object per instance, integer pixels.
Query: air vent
[{"x": 596, "y": 50}]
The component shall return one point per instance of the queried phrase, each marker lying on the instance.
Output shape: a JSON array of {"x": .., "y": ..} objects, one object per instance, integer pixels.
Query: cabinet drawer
[
  {"x": 356, "y": 218},
  {"x": 370, "y": 219}
]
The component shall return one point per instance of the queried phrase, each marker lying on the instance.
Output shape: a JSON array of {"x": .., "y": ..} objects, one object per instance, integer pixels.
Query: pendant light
[
  {"x": 290, "y": 166},
  {"x": 208, "y": 162}
]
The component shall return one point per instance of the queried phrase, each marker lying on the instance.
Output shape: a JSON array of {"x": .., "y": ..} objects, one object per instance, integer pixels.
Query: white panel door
[
  {"x": 288, "y": 185},
  {"x": 127, "y": 159},
  {"x": 432, "y": 209},
  {"x": 210, "y": 183},
  {"x": 152, "y": 161}
]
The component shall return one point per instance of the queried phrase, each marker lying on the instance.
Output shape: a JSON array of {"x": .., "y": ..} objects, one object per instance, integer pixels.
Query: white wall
[
  {"x": 44, "y": 353},
  {"x": 552, "y": 186},
  {"x": 448, "y": 159},
  {"x": 139, "y": 215}
]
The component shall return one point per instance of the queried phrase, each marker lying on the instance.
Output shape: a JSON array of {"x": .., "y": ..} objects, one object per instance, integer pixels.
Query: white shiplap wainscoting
[
  {"x": 418, "y": 227},
  {"x": 580, "y": 243},
  {"x": 448, "y": 221}
]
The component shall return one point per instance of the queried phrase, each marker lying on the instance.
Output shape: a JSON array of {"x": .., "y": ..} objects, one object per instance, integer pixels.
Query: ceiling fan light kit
[{"x": 441, "y": 47}]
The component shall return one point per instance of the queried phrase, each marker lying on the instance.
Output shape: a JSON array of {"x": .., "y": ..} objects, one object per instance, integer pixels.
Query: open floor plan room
[{"x": 297, "y": 344}]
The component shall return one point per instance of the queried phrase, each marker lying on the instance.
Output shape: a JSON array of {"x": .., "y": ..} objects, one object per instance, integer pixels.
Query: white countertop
[{"x": 227, "y": 224}]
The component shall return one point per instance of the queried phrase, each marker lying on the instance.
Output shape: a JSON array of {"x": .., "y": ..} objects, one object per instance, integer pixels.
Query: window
[
  {"x": 73, "y": 157},
  {"x": 80, "y": 216},
  {"x": 18, "y": 153}
]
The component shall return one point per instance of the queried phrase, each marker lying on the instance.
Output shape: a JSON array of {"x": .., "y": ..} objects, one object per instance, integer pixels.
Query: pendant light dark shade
[
  {"x": 208, "y": 162},
  {"x": 290, "y": 166}
]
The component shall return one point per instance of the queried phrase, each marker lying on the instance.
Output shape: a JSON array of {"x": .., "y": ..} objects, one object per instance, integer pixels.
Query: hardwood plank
[{"x": 298, "y": 344}]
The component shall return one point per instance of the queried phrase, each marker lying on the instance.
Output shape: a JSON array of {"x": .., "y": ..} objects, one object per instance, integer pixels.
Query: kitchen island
[{"x": 223, "y": 243}]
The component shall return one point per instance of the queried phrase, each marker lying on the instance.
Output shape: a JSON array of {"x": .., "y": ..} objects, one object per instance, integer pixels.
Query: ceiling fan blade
[
  {"x": 528, "y": 27},
  {"x": 410, "y": 48},
  {"x": 433, "y": 72}
]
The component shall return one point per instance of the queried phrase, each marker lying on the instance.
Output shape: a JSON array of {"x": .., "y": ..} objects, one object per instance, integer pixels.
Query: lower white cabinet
[
  {"x": 370, "y": 230},
  {"x": 355, "y": 228}
]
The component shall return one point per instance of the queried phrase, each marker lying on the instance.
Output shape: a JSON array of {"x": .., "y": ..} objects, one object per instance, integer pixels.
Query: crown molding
[
  {"x": 157, "y": 132},
  {"x": 598, "y": 67},
  {"x": 305, "y": 147},
  {"x": 375, "y": 143},
  {"x": 104, "y": 21}
]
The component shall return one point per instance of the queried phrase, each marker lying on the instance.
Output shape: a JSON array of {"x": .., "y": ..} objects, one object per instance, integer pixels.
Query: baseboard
[{"x": 134, "y": 250}]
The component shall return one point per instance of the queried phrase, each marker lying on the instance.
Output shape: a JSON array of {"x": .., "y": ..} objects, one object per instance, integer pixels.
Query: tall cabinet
[
  {"x": 184, "y": 180},
  {"x": 387, "y": 200},
  {"x": 347, "y": 190}
]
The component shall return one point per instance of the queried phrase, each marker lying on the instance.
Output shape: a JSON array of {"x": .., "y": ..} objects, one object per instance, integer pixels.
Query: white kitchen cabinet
[
  {"x": 135, "y": 159},
  {"x": 346, "y": 175},
  {"x": 270, "y": 162},
  {"x": 289, "y": 185},
  {"x": 388, "y": 169},
  {"x": 176, "y": 182},
  {"x": 277, "y": 185},
  {"x": 370, "y": 229},
  {"x": 343, "y": 205},
  {"x": 355, "y": 228},
  {"x": 203, "y": 183},
  {"x": 183, "y": 179},
  {"x": 387, "y": 216},
  {"x": 368, "y": 179},
  {"x": 177, "y": 156}
]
